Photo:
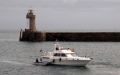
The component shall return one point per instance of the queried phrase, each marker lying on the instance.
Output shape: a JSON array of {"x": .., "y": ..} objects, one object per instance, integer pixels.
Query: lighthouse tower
[{"x": 31, "y": 18}]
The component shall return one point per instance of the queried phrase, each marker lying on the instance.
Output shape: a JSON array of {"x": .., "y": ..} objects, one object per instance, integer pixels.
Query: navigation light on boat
[{"x": 73, "y": 50}]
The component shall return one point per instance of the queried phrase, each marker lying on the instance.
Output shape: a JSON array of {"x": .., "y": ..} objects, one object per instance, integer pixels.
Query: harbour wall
[
  {"x": 84, "y": 36},
  {"x": 38, "y": 36}
]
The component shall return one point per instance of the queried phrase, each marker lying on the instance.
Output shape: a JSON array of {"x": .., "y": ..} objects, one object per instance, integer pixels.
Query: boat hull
[
  {"x": 43, "y": 63},
  {"x": 68, "y": 62},
  {"x": 71, "y": 62}
]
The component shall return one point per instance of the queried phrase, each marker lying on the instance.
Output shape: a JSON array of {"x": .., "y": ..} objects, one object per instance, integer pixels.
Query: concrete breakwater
[
  {"x": 84, "y": 36},
  {"x": 70, "y": 36}
]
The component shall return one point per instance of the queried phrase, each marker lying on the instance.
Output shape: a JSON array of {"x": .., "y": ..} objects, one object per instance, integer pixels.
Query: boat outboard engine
[{"x": 40, "y": 59}]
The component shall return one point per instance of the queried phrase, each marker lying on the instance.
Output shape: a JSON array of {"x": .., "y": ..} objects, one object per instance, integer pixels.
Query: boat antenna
[{"x": 56, "y": 41}]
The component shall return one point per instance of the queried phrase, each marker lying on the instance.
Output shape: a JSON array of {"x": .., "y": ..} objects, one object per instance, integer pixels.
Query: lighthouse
[{"x": 30, "y": 15}]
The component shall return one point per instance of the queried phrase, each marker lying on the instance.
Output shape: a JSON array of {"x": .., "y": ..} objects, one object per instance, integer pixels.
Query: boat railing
[
  {"x": 44, "y": 53},
  {"x": 47, "y": 54}
]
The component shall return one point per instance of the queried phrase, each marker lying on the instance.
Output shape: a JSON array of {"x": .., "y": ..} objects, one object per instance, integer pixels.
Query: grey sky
[{"x": 85, "y": 15}]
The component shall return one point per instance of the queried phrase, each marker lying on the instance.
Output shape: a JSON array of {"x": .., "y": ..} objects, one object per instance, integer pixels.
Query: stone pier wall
[
  {"x": 84, "y": 36},
  {"x": 71, "y": 36}
]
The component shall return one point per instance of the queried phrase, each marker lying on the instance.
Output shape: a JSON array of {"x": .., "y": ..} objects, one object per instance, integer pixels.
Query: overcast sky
[{"x": 82, "y": 15}]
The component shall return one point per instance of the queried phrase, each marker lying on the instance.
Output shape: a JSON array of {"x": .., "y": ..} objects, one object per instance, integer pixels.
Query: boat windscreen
[
  {"x": 74, "y": 55},
  {"x": 69, "y": 55}
]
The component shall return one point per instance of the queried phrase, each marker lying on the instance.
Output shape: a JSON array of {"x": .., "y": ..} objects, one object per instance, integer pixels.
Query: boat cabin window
[
  {"x": 63, "y": 55},
  {"x": 58, "y": 54}
]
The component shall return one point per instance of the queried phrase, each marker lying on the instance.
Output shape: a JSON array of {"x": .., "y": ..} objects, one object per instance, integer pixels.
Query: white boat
[{"x": 63, "y": 56}]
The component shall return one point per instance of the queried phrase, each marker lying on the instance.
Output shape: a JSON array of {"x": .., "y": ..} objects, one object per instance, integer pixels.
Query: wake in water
[
  {"x": 14, "y": 62},
  {"x": 106, "y": 64}
]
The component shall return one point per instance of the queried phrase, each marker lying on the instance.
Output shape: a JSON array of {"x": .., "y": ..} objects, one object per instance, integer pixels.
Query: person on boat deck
[
  {"x": 57, "y": 48},
  {"x": 37, "y": 60}
]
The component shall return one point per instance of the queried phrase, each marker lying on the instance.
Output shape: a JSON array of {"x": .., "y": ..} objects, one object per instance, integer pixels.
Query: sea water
[{"x": 16, "y": 57}]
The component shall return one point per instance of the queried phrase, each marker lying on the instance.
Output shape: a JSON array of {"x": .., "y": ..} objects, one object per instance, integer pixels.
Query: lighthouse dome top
[{"x": 30, "y": 10}]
